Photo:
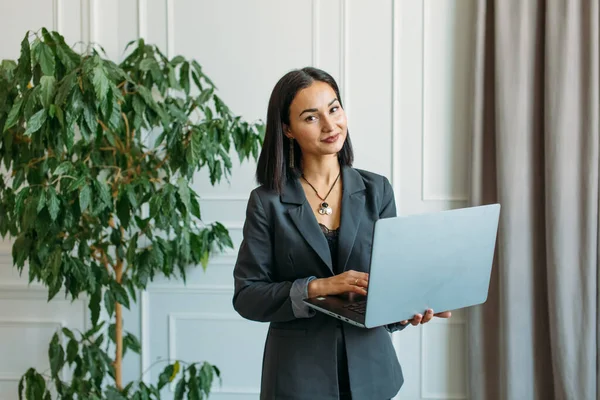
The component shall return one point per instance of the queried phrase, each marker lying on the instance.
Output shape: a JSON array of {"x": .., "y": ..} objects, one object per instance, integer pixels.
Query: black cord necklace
[{"x": 324, "y": 208}]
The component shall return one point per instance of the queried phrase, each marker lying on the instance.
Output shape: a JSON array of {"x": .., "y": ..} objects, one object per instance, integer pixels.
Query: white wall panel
[
  {"x": 369, "y": 82},
  {"x": 15, "y": 21},
  {"x": 443, "y": 366},
  {"x": 201, "y": 336},
  {"x": 432, "y": 101},
  {"x": 448, "y": 40}
]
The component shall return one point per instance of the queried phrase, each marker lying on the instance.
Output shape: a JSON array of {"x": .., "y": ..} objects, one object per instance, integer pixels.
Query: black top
[{"x": 332, "y": 240}]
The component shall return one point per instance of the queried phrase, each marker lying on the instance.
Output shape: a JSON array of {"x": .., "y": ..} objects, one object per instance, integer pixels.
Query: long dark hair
[{"x": 273, "y": 163}]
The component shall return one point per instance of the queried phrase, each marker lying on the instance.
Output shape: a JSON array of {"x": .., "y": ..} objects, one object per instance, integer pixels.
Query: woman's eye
[
  {"x": 334, "y": 109},
  {"x": 310, "y": 118}
]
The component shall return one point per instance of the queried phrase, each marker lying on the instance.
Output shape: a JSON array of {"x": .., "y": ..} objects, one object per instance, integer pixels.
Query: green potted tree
[{"x": 99, "y": 158}]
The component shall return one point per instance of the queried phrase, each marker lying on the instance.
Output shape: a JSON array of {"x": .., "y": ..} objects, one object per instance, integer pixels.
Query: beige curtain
[{"x": 535, "y": 151}]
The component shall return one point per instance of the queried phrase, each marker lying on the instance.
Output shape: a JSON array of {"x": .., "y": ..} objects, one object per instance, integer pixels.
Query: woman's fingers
[
  {"x": 445, "y": 314},
  {"x": 358, "y": 282},
  {"x": 427, "y": 317},
  {"x": 358, "y": 289},
  {"x": 416, "y": 319},
  {"x": 357, "y": 275}
]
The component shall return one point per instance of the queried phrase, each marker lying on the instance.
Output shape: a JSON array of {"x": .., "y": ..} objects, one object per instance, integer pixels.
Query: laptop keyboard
[{"x": 359, "y": 307}]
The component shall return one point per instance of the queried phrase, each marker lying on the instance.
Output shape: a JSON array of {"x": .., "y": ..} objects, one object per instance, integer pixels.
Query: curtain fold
[{"x": 535, "y": 150}]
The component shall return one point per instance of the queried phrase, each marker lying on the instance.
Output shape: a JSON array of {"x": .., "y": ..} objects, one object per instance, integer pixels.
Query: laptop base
[{"x": 337, "y": 307}]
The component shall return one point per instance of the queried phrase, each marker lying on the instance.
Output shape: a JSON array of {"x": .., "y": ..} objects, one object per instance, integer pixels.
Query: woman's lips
[{"x": 331, "y": 139}]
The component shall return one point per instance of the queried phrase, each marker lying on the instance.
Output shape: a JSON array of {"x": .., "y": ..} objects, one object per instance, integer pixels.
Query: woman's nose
[{"x": 328, "y": 124}]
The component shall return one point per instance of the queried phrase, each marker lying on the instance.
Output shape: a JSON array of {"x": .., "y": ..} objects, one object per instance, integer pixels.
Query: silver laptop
[{"x": 440, "y": 260}]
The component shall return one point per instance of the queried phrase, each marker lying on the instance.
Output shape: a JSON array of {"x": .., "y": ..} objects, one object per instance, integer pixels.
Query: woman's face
[{"x": 317, "y": 121}]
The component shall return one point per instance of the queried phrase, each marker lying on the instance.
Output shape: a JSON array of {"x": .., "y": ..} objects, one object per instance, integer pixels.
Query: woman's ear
[{"x": 287, "y": 132}]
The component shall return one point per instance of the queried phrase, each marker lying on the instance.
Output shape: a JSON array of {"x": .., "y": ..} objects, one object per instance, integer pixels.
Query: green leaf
[
  {"x": 13, "y": 115},
  {"x": 48, "y": 84},
  {"x": 68, "y": 333},
  {"x": 46, "y": 59},
  {"x": 177, "y": 60},
  {"x": 123, "y": 211},
  {"x": 114, "y": 122},
  {"x": 55, "y": 262},
  {"x": 77, "y": 184},
  {"x": 53, "y": 203},
  {"x": 168, "y": 374},
  {"x": 100, "y": 81},
  {"x": 94, "y": 305},
  {"x": 60, "y": 115},
  {"x": 72, "y": 351},
  {"x": 195, "y": 148},
  {"x": 21, "y": 387},
  {"x": 131, "y": 249},
  {"x": 56, "y": 354},
  {"x": 23, "y": 73},
  {"x": 120, "y": 293},
  {"x": 184, "y": 192},
  {"x": 133, "y": 343},
  {"x": 104, "y": 191},
  {"x": 155, "y": 205},
  {"x": 65, "y": 88},
  {"x": 184, "y": 77},
  {"x": 198, "y": 69},
  {"x": 131, "y": 196},
  {"x": 20, "y": 201},
  {"x": 179, "y": 390},
  {"x": 109, "y": 303},
  {"x": 138, "y": 105},
  {"x": 85, "y": 197},
  {"x": 195, "y": 206},
  {"x": 64, "y": 167},
  {"x": 90, "y": 117},
  {"x": 114, "y": 394},
  {"x": 35, "y": 122}
]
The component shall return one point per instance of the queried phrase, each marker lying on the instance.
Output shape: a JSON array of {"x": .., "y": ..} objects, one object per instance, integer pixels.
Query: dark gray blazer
[{"x": 283, "y": 247}]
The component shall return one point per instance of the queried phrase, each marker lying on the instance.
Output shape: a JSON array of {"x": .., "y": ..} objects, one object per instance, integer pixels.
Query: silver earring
[{"x": 291, "y": 152}]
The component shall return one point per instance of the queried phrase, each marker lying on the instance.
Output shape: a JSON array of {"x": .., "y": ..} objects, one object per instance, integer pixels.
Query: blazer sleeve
[
  {"x": 256, "y": 296},
  {"x": 388, "y": 210}
]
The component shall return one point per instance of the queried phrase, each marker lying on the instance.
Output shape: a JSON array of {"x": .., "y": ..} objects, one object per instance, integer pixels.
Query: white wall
[{"x": 403, "y": 67}]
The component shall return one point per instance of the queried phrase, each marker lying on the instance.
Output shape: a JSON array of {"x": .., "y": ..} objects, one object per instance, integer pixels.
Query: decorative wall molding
[
  {"x": 425, "y": 195},
  {"x": 142, "y": 18},
  {"x": 170, "y": 15},
  {"x": 190, "y": 289},
  {"x": 219, "y": 198},
  {"x": 344, "y": 6},
  {"x": 34, "y": 323},
  {"x": 56, "y": 7},
  {"x": 315, "y": 32},
  {"x": 145, "y": 336},
  {"x": 396, "y": 131},
  {"x": 425, "y": 393},
  {"x": 172, "y": 352}
]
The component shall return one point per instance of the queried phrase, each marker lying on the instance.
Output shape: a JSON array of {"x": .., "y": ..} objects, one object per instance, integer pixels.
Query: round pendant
[{"x": 325, "y": 209}]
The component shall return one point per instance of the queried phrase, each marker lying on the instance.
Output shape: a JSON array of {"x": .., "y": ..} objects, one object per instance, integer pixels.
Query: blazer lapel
[
  {"x": 305, "y": 220},
  {"x": 353, "y": 204}
]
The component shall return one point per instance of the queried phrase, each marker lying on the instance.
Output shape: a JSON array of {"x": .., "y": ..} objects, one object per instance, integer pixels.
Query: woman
[{"x": 308, "y": 233}]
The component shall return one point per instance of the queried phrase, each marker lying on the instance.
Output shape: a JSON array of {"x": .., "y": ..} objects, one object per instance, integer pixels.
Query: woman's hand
[
  {"x": 420, "y": 319},
  {"x": 349, "y": 281}
]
